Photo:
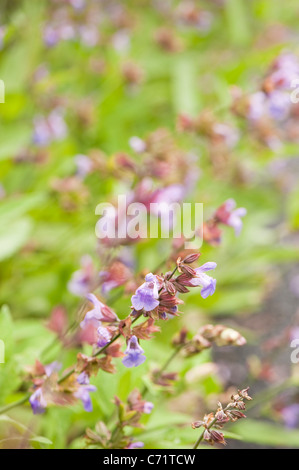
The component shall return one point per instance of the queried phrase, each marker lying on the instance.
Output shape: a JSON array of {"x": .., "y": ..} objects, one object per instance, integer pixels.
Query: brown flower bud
[
  {"x": 191, "y": 258},
  {"x": 170, "y": 288},
  {"x": 187, "y": 270}
]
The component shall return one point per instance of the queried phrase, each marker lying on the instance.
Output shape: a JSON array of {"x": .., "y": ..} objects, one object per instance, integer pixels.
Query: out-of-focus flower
[
  {"x": 284, "y": 69},
  {"x": 104, "y": 336},
  {"x": 82, "y": 280},
  {"x": 115, "y": 275},
  {"x": 38, "y": 402},
  {"x": 228, "y": 215},
  {"x": 136, "y": 403},
  {"x": 136, "y": 445},
  {"x": 89, "y": 35},
  {"x": 146, "y": 296},
  {"x": 78, "y": 4},
  {"x": 257, "y": 105},
  {"x": 121, "y": 41},
  {"x": 132, "y": 73},
  {"x": 167, "y": 40},
  {"x": 189, "y": 15},
  {"x": 137, "y": 144},
  {"x": 229, "y": 134},
  {"x": 84, "y": 390},
  {"x": 99, "y": 313},
  {"x": 49, "y": 129},
  {"x": 51, "y": 36},
  {"x": 84, "y": 165},
  {"x": 53, "y": 367},
  {"x": 134, "y": 354},
  {"x": 290, "y": 415}
]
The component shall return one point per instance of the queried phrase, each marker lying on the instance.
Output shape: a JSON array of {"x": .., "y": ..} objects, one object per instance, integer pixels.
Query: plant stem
[
  {"x": 6, "y": 408},
  {"x": 202, "y": 434},
  {"x": 163, "y": 368}
]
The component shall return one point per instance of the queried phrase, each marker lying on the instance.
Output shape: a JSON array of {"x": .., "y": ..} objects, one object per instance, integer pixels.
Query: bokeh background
[{"x": 81, "y": 79}]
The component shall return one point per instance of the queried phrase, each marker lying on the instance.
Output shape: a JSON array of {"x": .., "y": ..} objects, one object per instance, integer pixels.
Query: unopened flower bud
[{"x": 191, "y": 258}]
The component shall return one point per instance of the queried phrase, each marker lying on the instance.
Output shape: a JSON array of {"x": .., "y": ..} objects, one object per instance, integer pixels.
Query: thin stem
[
  {"x": 6, "y": 408},
  {"x": 209, "y": 427},
  {"x": 163, "y": 368},
  {"x": 202, "y": 434}
]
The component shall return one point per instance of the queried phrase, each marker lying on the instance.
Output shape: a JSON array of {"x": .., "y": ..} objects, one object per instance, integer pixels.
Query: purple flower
[
  {"x": 99, "y": 313},
  {"x": 53, "y": 367},
  {"x": 104, "y": 337},
  {"x": 147, "y": 294},
  {"x": 83, "y": 378},
  {"x": 227, "y": 133},
  {"x": 84, "y": 390},
  {"x": 51, "y": 36},
  {"x": 279, "y": 105},
  {"x": 228, "y": 215},
  {"x": 38, "y": 402},
  {"x": 290, "y": 415},
  {"x": 148, "y": 407},
  {"x": 83, "y": 164},
  {"x": 257, "y": 105},
  {"x": 136, "y": 445},
  {"x": 286, "y": 68},
  {"x": 137, "y": 144},
  {"x": 207, "y": 283},
  {"x": 50, "y": 128},
  {"x": 82, "y": 280},
  {"x": 134, "y": 354}
]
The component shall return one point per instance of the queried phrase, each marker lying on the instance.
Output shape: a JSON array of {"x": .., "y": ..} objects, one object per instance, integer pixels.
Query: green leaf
[
  {"x": 39, "y": 441},
  {"x": 13, "y": 237}
]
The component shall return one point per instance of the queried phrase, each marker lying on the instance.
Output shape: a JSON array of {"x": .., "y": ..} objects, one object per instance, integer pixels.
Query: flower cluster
[
  {"x": 207, "y": 335},
  {"x": 49, "y": 391},
  {"x": 226, "y": 214},
  {"x": 270, "y": 111},
  {"x": 223, "y": 415}
]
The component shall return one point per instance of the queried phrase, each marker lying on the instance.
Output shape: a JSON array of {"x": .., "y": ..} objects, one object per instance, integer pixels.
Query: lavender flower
[
  {"x": 137, "y": 144},
  {"x": 104, "y": 336},
  {"x": 49, "y": 129},
  {"x": 84, "y": 390},
  {"x": 136, "y": 445},
  {"x": 83, "y": 164},
  {"x": 290, "y": 415},
  {"x": 148, "y": 407},
  {"x": 99, "y": 313},
  {"x": 53, "y": 367},
  {"x": 279, "y": 104},
  {"x": 228, "y": 215},
  {"x": 38, "y": 402},
  {"x": 207, "y": 283},
  {"x": 82, "y": 280},
  {"x": 147, "y": 294},
  {"x": 134, "y": 354}
]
